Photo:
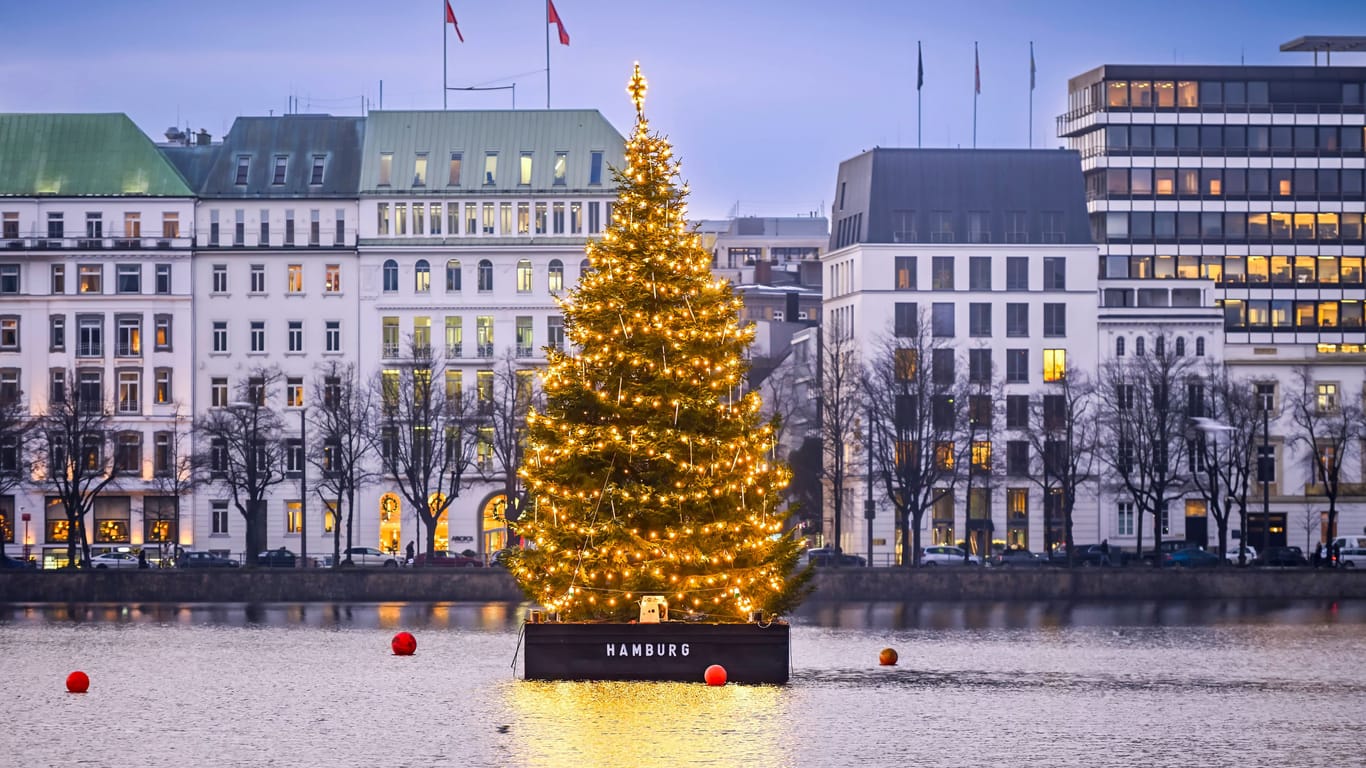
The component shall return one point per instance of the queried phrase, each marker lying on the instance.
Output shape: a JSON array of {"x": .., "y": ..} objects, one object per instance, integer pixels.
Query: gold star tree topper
[{"x": 637, "y": 90}]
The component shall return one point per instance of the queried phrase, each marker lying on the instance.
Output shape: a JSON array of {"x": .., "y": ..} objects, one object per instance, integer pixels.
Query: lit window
[
  {"x": 524, "y": 276},
  {"x": 556, "y": 275},
  {"x": 561, "y": 164},
  {"x": 524, "y": 175},
  {"x": 1054, "y": 364},
  {"x": 490, "y": 167},
  {"x": 420, "y": 170},
  {"x": 386, "y": 168},
  {"x": 422, "y": 276},
  {"x": 332, "y": 280},
  {"x": 296, "y": 278}
]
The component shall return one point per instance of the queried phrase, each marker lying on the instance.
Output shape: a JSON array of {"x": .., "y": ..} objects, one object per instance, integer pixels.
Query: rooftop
[{"x": 82, "y": 155}]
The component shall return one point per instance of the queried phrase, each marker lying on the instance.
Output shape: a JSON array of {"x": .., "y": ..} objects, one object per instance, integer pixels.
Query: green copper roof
[{"x": 56, "y": 155}]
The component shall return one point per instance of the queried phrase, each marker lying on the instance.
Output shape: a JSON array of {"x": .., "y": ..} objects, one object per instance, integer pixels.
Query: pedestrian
[
  {"x": 409, "y": 550},
  {"x": 1105, "y": 552},
  {"x": 1316, "y": 559},
  {"x": 142, "y": 558}
]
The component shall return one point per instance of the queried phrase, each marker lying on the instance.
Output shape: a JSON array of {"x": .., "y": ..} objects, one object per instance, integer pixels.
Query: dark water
[{"x": 991, "y": 684}]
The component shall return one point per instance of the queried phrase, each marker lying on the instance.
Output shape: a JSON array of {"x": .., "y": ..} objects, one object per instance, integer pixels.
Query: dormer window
[
  {"x": 319, "y": 162},
  {"x": 490, "y": 167},
  {"x": 386, "y": 168},
  {"x": 561, "y": 164},
  {"x": 524, "y": 178},
  {"x": 243, "y": 163},
  {"x": 281, "y": 163},
  {"x": 455, "y": 170},
  {"x": 420, "y": 170}
]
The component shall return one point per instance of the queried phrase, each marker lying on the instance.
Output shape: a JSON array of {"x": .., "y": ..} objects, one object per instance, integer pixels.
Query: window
[
  {"x": 90, "y": 390},
  {"x": 555, "y": 332},
  {"x": 422, "y": 276},
  {"x": 1054, "y": 273},
  {"x": 161, "y": 386},
  {"x": 1124, "y": 522},
  {"x": 1054, "y": 364},
  {"x": 390, "y": 271},
  {"x": 9, "y": 386},
  {"x": 9, "y": 279},
  {"x": 10, "y": 225},
  {"x": 555, "y": 275},
  {"x": 56, "y": 391},
  {"x": 422, "y": 336},
  {"x": 332, "y": 336},
  {"x": 905, "y": 273},
  {"x": 1017, "y": 366},
  {"x": 218, "y": 392},
  {"x": 455, "y": 336},
  {"x": 1138, "y": 346},
  {"x": 339, "y": 235},
  {"x": 487, "y": 219},
  {"x": 219, "y": 512},
  {"x": 163, "y": 457},
  {"x": 89, "y": 335},
  {"x": 294, "y": 392},
  {"x": 942, "y": 273},
  {"x": 1017, "y": 411},
  {"x": 263, "y": 239},
  {"x": 483, "y": 327},
  {"x": 525, "y": 338},
  {"x": 490, "y": 168},
  {"x": 1017, "y": 273},
  {"x": 979, "y": 319},
  {"x": 258, "y": 278},
  {"x": 90, "y": 278},
  {"x": 1054, "y": 320},
  {"x": 943, "y": 367},
  {"x": 942, "y": 319},
  {"x": 485, "y": 275},
  {"x": 127, "y": 457},
  {"x": 220, "y": 336},
  {"x": 979, "y": 365},
  {"x": 420, "y": 170},
  {"x": 243, "y": 165},
  {"x": 161, "y": 333},
  {"x": 316, "y": 176},
  {"x": 128, "y": 330},
  {"x": 258, "y": 336},
  {"x": 295, "y": 336},
  {"x": 281, "y": 163},
  {"x": 132, "y": 225},
  {"x": 56, "y": 227},
  {"x": 1017, "y": 320},
  {"x": 58, "y": 279},
  {"x": 979, "y": 273},
  {"x": 163, "y": 278},
  {"x": 561, "y": 165},
  {"x": 1199, "y": 346},
  {"x": 524, "y": 170},
  {"x": 453, "y": 176},
  {"x": 57, "y": 333},
  {"x": 524, "y": 276},
  {"x": 220, "y": 278},
  {"x": 905, "y": 319},
  {"x": 239, "y": 230},
  {"x": 130, "y": 391},
  {"x": 595, "y": 168},
  {"x": 1326, "y": 397},
  {"x": 332, "y": 278},
  {"x": 389, "y": 337},
  {"x": 294, "y": 276},
  {"x": 315, "y": 227}
]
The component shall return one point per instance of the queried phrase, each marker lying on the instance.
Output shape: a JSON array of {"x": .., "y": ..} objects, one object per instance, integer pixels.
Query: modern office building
[
  {"x": 993, "y": 249},
  {"x": 1240, "y": 189}
]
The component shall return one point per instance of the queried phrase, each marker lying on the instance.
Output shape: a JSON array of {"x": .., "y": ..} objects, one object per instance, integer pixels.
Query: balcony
[
  {"x": 453, "y": 350},
  {"x": 390, "y": 351},
  {"x": 485, "y": 350},
  {"x": 89, "y": 350},
  {"x": 525, "y": 351}
]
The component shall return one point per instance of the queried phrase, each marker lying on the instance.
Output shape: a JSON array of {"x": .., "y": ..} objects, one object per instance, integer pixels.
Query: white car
[
  {"x": 1232, "y": 555},
  {"x": 1352, "y": 558},
  {"x": 369, "y": 557},
  {"x": 114, "y": 560},
  {"x": 945, "y": 555}
]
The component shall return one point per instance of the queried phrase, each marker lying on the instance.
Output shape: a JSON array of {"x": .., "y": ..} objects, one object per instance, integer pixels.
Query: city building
[
  {"x": 95, "y": 316},
  {"x": 992, "y": 248},
  {"x": 1236, "y": 193}
]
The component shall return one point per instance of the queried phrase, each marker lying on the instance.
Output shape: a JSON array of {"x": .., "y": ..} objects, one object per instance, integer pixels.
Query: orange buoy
[
  {"x": 887, "y": 658},
  {"x": 77, "y": 682},
  {"x": 715, "y": 675},
  {"x": 404, "y": 644}
]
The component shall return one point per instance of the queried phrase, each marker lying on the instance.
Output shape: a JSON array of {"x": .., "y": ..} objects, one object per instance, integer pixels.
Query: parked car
[
  {"x": 1018, "y": 558},
  {"x": 943, "y": 554},
  {"x": 1168, "y": 547},
  {"x": 447, "y": 560},
  {"x": 1352, "y": 558},
  {"x": 277, "y": 558},
  {"x": 204, "y": 560},
  {"x": 13, "y": 563},
  {"x": 1191, "y": 557},
  {"x": 369, "y": 557},
  {"x": 1091, "y": 555},
  {"x": 114, "y": 560},
  {"x": 824, "y": 556},
  {"x": 1283, "y": 557},
  {"x": 1232, "y": 555}
]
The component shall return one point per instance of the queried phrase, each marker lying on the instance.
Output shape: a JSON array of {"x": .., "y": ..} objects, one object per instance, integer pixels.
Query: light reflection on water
[{"x": 1011, "y": 684}]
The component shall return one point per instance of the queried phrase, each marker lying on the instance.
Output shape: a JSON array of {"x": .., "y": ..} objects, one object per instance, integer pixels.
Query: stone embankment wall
[{"x": 843, "y": 585}]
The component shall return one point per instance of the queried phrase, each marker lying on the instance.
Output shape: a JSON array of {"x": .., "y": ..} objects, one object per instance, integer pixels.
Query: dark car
[
  {"x": 1168, "y": 547},
  {"x": 276, "y": 558},
  {"x": 1090, "y": 555},
  {"x": 204, "y": 560},
  {"x": 1283, "y": 557},
  {"x": 823, "y": 556},
  {"x": 447, "y": 560},
  {"x": 1191, "y": 557},
  {"x": 13, "y": 563},
  {"x": 1018, "y": 558}
]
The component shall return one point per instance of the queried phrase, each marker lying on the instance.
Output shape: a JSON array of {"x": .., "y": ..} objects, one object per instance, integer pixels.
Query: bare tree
[
  {"x": 243, "y": 450},
  {"x": 983, "y": 428},
  {"x": 173, "y": 477},
  {"x": 425, "y": 423},
  {"x": 1062, "y": 446},
  {"x": 917, "y": 424},
  {"x": 80, "y": 456},
  {"x": 1144, "y": 418},
  {"x": 343, "y": 417},
  {"x": 1221, "y": 448},
  {"x": 1310, "y": 520},
  {"x": 504, "y": 401},
  {"x": 15, "y": 469},
  {"x": 1328, "y": 426},
  {"x": 840, "y": 407}
]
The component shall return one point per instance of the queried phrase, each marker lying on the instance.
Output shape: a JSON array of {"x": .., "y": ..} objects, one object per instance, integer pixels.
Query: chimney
[
  {"x": 790, "y": 314},
  {"x": 202, "y": 138}
]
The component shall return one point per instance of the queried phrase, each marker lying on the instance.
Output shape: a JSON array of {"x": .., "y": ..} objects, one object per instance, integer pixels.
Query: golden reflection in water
[
  {"x": 603, "y": 724},
  {"x": 390, "y": 614}
]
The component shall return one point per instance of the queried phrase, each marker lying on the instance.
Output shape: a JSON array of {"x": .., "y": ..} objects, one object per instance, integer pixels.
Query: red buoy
[
  {"x": 404, "y": 644},
  {"x": 715, "y": 675},
  {"x": 78, "y": 682},
  {"x": 887, "y": 658}
]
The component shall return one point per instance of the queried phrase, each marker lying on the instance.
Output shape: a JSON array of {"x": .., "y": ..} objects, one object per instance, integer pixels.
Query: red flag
[
  {"x": 551, "y": 17},
  {"x": 450, "y": 19}
]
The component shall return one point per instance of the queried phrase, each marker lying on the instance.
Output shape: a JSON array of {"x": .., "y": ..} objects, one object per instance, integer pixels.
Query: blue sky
[{"x": 762, "y": 98}]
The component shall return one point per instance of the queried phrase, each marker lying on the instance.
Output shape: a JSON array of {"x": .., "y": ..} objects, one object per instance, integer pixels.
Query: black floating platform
[{"x": 667, "y": 652}]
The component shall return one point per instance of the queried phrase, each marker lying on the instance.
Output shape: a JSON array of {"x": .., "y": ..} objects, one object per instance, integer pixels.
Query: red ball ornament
[
  {"x": 78, "y": 682},
  {"x": 715, "y": 675},
  {"x": 404, "y": 644},
  {"x": 887, "y": 658}
]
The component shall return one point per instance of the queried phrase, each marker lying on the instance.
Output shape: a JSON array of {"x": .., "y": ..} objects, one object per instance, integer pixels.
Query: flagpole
[
  {"x": 546, "y": 24},
  {"x": 919, "y": 83},
  {"x": 1031, "y": 94},
  {"x": 445, "y": 89},
  {"x": 976, "y": 90}
]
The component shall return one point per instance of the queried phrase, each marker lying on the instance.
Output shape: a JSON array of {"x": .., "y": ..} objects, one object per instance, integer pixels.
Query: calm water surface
[{"x": 991, "y": 684}]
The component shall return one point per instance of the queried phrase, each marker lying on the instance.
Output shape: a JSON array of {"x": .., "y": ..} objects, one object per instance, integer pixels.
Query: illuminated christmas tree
[{"x": 650, "y": 471}]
